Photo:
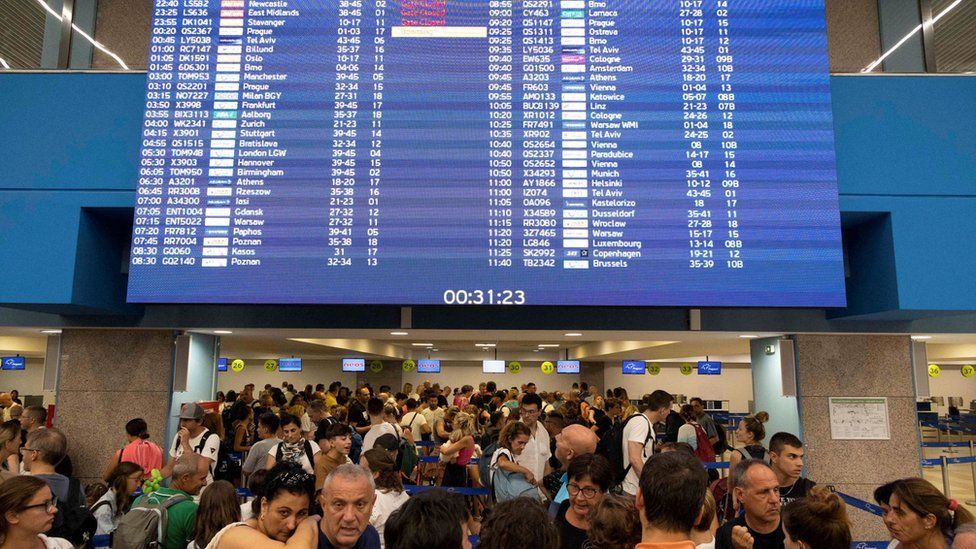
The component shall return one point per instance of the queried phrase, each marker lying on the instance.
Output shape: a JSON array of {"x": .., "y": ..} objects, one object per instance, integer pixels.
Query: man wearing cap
[{"x": 194, "y": 438}]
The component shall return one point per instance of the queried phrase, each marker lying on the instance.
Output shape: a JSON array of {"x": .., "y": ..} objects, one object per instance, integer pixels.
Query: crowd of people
[{"x": 437, "y": 467}]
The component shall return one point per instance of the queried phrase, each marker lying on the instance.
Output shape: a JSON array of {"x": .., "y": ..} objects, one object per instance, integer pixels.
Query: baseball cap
[
  {"x": 192, "y": 410},
  {"x": 388, "y": 442}
]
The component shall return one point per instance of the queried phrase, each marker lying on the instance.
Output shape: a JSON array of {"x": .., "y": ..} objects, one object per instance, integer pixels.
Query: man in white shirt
[
  {"x": 432, "y": 413},
  {"x": 414, "y": 420},
  {"x": 193, "y": 437},
  {"x": 638, "y": 437},
  {"x": 535, "y": 456},
  {"x": 378, "y": 425}
]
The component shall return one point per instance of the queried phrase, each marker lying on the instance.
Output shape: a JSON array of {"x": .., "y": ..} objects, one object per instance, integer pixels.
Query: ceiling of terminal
[{"x": 478, "y": 344}]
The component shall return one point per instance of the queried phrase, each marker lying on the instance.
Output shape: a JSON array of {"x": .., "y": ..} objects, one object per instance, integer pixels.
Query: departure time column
[{"x": 500, "y": 133}]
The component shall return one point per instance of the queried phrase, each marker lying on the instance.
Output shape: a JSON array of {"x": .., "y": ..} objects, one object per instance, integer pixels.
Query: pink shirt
[{"x": 143, "y": 453}]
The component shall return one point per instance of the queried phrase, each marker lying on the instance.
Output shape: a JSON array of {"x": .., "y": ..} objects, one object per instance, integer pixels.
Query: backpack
[
  {"x": 506, "y": 485},
  {"x": 704, "y": 450},
  {"x": 144, "y": 526},
  {"x": 74, "y": 521},
  {"x": 484, "y": 465},
  {"x": 724, "y": 508},
  {"x": 308, "y": 453},
  {"x": 357, "y": 446},
  {"x": 614, "y": 451},
  {"x": 723, "y": 439},
  {"x": 407, "y": 458}
]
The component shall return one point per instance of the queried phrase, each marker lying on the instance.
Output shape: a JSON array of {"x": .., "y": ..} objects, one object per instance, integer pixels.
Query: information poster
[
  {"x": 859, "y": 418},
  {"x": 502, "y": 152}
]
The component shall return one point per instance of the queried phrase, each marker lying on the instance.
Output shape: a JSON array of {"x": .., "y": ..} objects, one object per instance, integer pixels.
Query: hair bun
[{"x": 761, "y": 417}]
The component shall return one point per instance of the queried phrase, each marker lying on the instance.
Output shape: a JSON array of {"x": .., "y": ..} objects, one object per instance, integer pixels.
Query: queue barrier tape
[
  {"x": 429, "y": 443},
  {"x": 103, "y": 540},
  {"x": 860, "y": 504},
  {"x": 960, "y": 460},
  {"x": 717, "y": 465},
  {"x": 931, "y": 462},
  {"x": 945, "y": 445},
  {"x": 416, "y": 489},
  {"x": 870, "y": 544}
]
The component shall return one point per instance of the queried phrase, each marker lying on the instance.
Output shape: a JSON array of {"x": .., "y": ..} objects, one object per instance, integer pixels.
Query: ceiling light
[
  {"x": 541, "y": 345},
  {"x": 398, "y": 333},
  {"x": 50, "y": 331},
  {"x": 748, "y": 336},
  {"x": 921, "y": 338},
  {"x": 422, "y": 344},
  {"x": 485, "y": 345},
  {"x": 435, "y": 349},
  {"x": 223, "y": 332},
  {"x": 573, "y": 334},
  {"x": 908, "y": 36},
  {"x": 535, "y": 350}
]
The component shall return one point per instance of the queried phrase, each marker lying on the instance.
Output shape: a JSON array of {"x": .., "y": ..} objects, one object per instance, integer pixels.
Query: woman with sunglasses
[
  {"x": 589, "y": 477},
  {"x": 27, "y": 509}
]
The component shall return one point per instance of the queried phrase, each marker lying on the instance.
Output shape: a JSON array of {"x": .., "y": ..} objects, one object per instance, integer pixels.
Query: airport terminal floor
[{"x": 562, "y": 274}]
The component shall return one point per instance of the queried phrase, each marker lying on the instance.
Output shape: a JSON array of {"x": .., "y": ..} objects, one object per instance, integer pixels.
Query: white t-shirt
[
  {"x": 494, "y": 460},
  {"x": 688, "y": 434},
  {"x": 386, "y": 502},
  {"x": 536, "y": 453},
  {"x": 375, "y": 432},
  {"x": 418, "y": 420},
  {"x": 209, "y": 450},
  {"x": 302, "y": 457},
  {"x": 433, "y": 415},
  {"x": 636, "y": 430}
]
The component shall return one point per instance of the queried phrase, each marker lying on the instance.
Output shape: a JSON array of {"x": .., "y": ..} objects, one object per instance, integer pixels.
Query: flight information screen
[{"x": 532, "y": 152}]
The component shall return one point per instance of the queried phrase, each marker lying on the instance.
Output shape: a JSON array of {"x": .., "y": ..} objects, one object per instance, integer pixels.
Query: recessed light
[
  {"x": 485, "y": 345},
  {"x": 50, "y": 331},
  {"x": 541, "y": 345},
  {"x": 573, "y": 334},
  {"x": 921, "y": 338},
  {"x": 435, "y": 349},
  {"x": 398, "y": 333},
  {"x": 422, "y": 344},
  {"x": 748, "y": 336},
  {"x": 223, "y": 332},
  {"x": 535, "y": 350}
]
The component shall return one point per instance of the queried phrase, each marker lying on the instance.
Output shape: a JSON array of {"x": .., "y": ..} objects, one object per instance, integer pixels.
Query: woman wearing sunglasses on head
[{"x": 27, "y": 509}]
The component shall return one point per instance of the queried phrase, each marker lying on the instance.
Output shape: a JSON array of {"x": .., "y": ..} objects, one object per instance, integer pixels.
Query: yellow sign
[
  {"x": 547, "y": 367},
  {"x": 270, "y": 365},
  {"x": 409, "y": 365},
  {"x": 686, "y": 369},
  {"x": 653, "y": 369},
  {"x": 968, "y": 370},
  {"x": 514, "y": 367},
  {"x": 934, "y": 370},
  {"x": 376, "y": 366},
  {"x": 237, "y": 365}
]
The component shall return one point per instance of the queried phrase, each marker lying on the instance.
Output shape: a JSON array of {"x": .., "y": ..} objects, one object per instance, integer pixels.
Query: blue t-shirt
[{"x": 369, "y": 540}]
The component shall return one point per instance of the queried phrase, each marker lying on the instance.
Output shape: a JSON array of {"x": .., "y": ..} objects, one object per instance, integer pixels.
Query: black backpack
[
  {"x": 74, "y": 521},
  {"x": 723, "y": 439},
  {"x": 611, "y": 446}
]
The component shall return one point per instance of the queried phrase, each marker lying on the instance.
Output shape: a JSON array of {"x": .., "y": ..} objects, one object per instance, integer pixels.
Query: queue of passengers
[{"x": 336, "y": 468}]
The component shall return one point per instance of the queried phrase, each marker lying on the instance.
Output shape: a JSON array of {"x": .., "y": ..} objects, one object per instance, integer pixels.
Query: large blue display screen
[{"x": 538, "y": 152}]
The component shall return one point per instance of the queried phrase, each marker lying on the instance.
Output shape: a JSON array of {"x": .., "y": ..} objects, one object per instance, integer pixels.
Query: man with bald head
[{"x": 573, "y": 441}]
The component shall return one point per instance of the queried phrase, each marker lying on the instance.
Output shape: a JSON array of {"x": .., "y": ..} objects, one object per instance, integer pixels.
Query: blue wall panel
[{"x": 906, "y": 148}]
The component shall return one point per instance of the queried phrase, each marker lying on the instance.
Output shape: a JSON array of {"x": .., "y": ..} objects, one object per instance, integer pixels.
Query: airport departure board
[{"x": 491, "y": 152}]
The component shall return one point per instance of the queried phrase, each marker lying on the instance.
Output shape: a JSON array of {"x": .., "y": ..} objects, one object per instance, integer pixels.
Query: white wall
[
  {"x": 458, "y": 373},
  {"x": 313, "y": 372},
  {"x": 952, "y": 384},
  {"x": 29, "y": 381},
  {"x": 734, "y": 385}
]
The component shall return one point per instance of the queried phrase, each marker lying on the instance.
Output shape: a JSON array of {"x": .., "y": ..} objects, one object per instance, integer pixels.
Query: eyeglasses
[
  {"x": 46, "y": 505},
  {"x": 526, "y": 412},
  {"x": 26, "y": 449},
  {"x": 587, "y": 492}
]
